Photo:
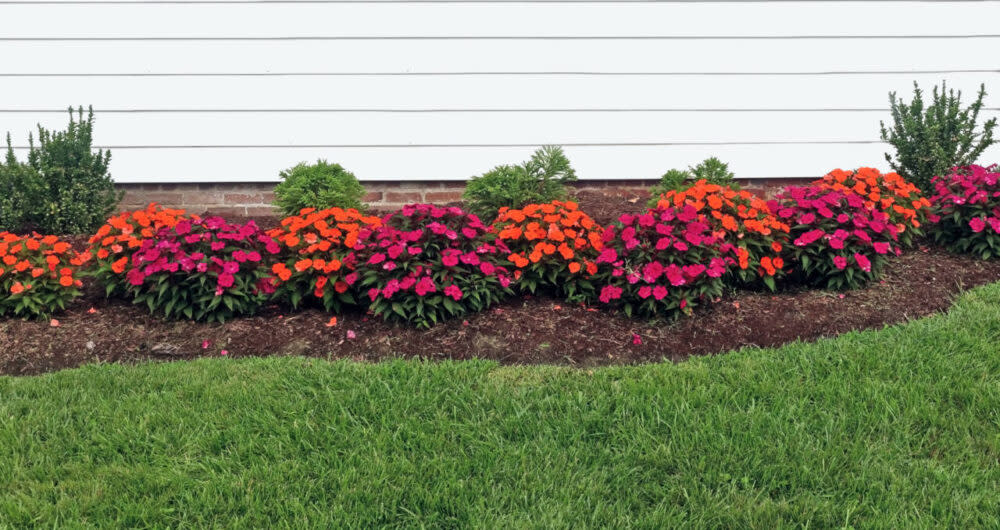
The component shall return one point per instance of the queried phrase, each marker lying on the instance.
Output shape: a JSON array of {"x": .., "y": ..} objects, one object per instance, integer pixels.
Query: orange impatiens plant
[
  {"x": 749, "y": 231},
  {"x": 117, "y": 240},
  {"x": 553, "y": 245},
  {"x": 38, "y": 274},
  {"x": 888, "y": 192},
  {"x": 317, "y": 255}
]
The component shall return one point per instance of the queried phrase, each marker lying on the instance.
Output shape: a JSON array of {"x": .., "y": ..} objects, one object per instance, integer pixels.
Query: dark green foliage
[
  {"x": 539, "y": 180},
  {"x": 320, "y": 186},
  {"x": 20, "y": 188},
  {"x": 930, "y": 141},
  {"x": 64, "y": 188},
  {"x": 711, "y": 169}
]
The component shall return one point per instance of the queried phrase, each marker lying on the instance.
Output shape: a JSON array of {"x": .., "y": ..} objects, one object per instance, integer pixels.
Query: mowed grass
[{"x": 898, "y": 428}]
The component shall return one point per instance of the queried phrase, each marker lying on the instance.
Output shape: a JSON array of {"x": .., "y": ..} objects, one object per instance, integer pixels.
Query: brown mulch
[{"x": 521, "y": 330}]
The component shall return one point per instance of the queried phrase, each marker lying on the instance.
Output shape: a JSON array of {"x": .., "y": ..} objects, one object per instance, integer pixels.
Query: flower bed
[
  {"x": 838, "y": 242},
  {"x": 663, "y": 262},
  {"x": 114, "y": 243},
  {"x": 317, "y": 256},
  {"x": 38, "y": 274},
  {"x": 552, "y": 245},
  {"x": 204, "y": 269},
  {"x": 749, "y": 230},
  {"x": 967, "y": 211},
  {"x": 425, "y": 264},
  {"x": 906, "y": 207}
]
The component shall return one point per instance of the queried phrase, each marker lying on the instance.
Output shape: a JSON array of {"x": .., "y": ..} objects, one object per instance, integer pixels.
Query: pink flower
[
  {"x": 881, "y": 247},
  {"x": 230, "y": 267},
  {"x": 609, "y": 293},
  {"x": 376, "y": 258},
  {"x": 218, "y": 245},
  {"x": 487, "y": 268},
  {"x": 425, "y": 286},
  {"x": 675, "y": 275},
  {"x": 645, "y": 292},
  {"x": 863, "y": 262},
  {"x": 636, "y": 340},
  {"x": 226, "y": 280},
  {"x": 351, "y": 335},
  {"x": 840, "y": 262},
  {"x": 808, "y": 237},
  {"x": 659, "y": 292},
  {"x": 453, "y": 291},
  {"x": 608, "y": 255},
  {"x": 652, "y": 271},
  {"x": 977, "y": 224}
]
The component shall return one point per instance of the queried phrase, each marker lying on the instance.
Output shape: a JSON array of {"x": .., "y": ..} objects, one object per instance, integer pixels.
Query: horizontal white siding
[{"x": 217, "y": 91}]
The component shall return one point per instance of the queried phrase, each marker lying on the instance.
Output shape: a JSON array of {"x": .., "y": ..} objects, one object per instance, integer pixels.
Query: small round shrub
[
  {"x": 203, "y": 269},
  {"x": 317, "y": 256},
  {"x": 115, "y": 242},
  {"x": 319, "y": 186},
  {"x": 901, "y": 200},
  {"x": 837, "y": 242},
  {"x": 711, "y": 170},
  {"x": 553, "y": 246},
  {"x": 749, "y": 231},
  {"x": 426, "y": 264},
  {"x": 966, "y": 211},
  {"x": 539, "y": 180},
  {"x": 666, "y": 261},
  {"x": 38, "y": 274}
]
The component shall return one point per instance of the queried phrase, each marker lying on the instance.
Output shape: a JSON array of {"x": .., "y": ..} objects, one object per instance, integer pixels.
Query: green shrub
[
  {"x": 320, "y": 186},
  {"x": 64, "y": 187},
  {"x": 539, "y": 180},
  {"x": 712, "y": 170},
  {"x": 931, "y": 141},
  {"x": 20, "y": 188}
]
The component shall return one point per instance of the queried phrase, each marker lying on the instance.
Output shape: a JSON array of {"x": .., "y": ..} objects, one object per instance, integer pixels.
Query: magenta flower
[{"x": 863, "y": 262}]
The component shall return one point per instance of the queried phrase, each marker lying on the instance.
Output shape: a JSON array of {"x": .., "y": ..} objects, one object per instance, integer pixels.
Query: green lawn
[{"x": 898, "y": 428}]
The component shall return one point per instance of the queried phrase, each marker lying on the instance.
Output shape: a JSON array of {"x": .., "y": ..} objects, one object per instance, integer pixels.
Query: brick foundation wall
[{"x": 249, "y": 199}]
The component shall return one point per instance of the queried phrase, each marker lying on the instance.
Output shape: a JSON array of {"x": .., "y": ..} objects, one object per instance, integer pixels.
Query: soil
[{"x": 520, "y": 331}]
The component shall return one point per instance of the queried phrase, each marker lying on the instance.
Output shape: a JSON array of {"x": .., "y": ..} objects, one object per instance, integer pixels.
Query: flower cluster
[
  {"x": 901, "y": 200},
  {"x": 115, "y": 242},
  {"x": 664, "y": 261},
  {"x": 744, "y": 223},
  {"x": 837, "y": 240},
  {"x": 205, "y": 269},
  {"x": 425, "y": 263},
  {"x": 553, "y": 245},
  {"x": 317, "y": 255},
  {"x": 38, "y": 274},
  {"x": 967, "y": 210}
]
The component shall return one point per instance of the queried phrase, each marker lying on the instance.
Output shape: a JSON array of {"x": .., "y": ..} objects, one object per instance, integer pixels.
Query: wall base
[{"x": 250, "y": 199}]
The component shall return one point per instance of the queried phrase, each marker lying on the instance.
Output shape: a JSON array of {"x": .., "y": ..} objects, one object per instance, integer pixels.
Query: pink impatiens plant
[
  {"x": 426, "y": 263},
  {"x": 837, "y": 241},
  {"x": 966, "y": 208},
  {"x": 202, "y": 269},
  {"x": 663, "y": 262}
]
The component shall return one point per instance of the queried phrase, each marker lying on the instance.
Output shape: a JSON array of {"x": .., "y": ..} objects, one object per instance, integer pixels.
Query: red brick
[
  {"x": 242, "y": 198},
  {"x": 373, "y": 196},
  {"x": 253, "y": 211},
  {"x": 443, "y": 196},
  {"x": 403, "y": 197}
]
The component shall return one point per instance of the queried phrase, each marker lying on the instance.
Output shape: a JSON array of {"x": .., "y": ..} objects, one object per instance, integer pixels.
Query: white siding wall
[{"x": 235, "y": 91}]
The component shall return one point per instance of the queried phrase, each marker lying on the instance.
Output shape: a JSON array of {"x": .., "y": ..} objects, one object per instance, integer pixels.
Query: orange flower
[
  {"x": 17, "y": 288},
  {"x": 303, "y": 265},
  {"x": 889, "y": 192},
  {"x": 66, "y": 281}
]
